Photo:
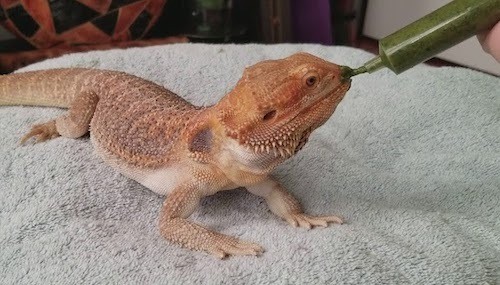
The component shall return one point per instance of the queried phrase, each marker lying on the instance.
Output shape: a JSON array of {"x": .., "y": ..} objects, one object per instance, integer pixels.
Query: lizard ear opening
[
  {"x": 235, "y": 126},
  {"x": 201, "y": 140}
]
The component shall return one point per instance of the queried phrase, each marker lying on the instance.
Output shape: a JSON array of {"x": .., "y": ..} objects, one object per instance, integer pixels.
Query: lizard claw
[
  {"x": 308, "y": 221},
  {"x": 223, "y": 246},
  {"x": 42, "y": 132}
]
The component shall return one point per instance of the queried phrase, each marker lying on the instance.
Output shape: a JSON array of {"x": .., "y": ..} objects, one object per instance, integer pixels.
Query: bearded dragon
[{"x": 174, "y": 148}]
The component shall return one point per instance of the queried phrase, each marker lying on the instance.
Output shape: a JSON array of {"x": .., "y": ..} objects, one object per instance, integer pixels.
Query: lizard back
[
  {"x": 135, "y": 120},
  {"x": 141, "y": 122}
]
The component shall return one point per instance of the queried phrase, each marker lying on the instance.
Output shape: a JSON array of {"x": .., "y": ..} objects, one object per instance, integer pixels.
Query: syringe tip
[{"x": 348, "y": 72}]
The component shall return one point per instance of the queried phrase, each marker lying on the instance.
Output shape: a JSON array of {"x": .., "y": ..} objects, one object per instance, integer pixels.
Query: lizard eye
[
  {"x": 269, "y": 115},
  {"x": 311, "y": 79}
]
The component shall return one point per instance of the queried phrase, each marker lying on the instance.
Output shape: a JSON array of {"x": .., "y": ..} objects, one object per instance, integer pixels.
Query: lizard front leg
[
  {"x": 175, "y": 227},
  {"x": 284, "y": 205}
]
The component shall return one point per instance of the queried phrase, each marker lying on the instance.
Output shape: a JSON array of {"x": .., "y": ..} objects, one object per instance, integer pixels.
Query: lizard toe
[
  {"x": 308, "y": 221},
  {"x": 226, "y": 246},
  {"x": 41, "y": 132}
]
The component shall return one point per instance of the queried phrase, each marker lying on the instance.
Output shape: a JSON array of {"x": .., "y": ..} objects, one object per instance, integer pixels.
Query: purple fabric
[{"x": 311, "y": 21}]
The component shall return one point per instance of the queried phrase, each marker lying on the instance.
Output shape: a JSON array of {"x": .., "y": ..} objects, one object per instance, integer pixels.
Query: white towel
[{"x": 412, "y": 162}]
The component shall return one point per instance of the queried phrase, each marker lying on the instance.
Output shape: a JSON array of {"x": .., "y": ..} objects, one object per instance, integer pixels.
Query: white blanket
[{"x": 412, "y": 162}]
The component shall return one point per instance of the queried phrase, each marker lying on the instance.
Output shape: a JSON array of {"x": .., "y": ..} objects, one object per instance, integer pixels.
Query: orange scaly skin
[{"x": 172, "y": 147}]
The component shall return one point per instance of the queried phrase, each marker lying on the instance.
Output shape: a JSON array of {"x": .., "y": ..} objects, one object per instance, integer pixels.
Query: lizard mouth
[
  {"x": 283, "y": 145},
  {"x": 306, "y": 133},
  {"x": 341, "y": 89}
]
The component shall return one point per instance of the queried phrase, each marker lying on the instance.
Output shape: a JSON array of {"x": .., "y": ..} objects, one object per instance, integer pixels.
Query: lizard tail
[{"x": 54, "y": 88}]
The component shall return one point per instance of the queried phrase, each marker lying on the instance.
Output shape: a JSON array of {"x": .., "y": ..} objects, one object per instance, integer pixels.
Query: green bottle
[{"x": 430, "y": 35}]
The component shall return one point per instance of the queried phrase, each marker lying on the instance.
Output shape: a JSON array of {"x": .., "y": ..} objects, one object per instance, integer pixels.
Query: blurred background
[{"x": 31, "y": 31}]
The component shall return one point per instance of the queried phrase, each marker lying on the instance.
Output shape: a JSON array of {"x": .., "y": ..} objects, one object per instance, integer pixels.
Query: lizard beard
[{"x": 303, "y": 140}]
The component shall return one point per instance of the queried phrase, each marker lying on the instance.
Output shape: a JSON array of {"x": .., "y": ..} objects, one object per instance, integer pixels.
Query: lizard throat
[
  {"x": 303, "y": 140},
  {"x": 279, "y": 150}
]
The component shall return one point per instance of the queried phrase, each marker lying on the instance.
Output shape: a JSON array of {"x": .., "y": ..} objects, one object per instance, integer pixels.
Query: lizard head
[{"x": 277, "y": 104}]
